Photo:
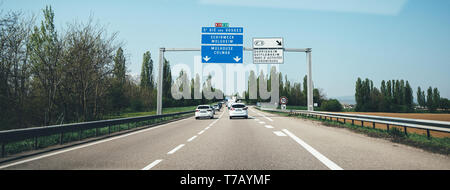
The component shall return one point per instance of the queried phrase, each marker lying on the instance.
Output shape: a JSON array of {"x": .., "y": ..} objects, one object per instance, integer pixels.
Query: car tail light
[
  {"x": 245, "y": 108},
  {"x": 232, "y": 109},
  {"x": 197, "y": 110}
]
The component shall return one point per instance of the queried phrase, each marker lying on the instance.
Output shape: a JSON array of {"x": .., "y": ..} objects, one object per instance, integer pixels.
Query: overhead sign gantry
[{"x": 224, "y": 44}]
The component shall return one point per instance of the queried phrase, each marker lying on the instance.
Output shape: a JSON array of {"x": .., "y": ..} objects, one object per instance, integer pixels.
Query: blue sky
[{"x": 377, "y": 39}]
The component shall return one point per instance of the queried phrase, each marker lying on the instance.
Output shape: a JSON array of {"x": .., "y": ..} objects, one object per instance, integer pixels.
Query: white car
[
  {"x": 216, "y": 107},
  {"x": 229, "y": 103},
  {"x": 238, "y": 110},
  {"x": 204, "y": 111}
]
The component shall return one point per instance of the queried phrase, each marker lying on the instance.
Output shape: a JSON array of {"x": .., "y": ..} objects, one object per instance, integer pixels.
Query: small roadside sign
[{"x": 283, "y": 100}]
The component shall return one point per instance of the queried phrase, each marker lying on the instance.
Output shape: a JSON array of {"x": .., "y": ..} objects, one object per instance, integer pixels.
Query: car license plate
[
  {"x": 202, "y": 111},
  {"x": 238, "y": 109}
]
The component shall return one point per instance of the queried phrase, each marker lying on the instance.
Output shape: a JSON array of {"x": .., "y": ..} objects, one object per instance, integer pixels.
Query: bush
[
  {"x": 137, "y": 105},
  {"x": 331, "y": 105}
]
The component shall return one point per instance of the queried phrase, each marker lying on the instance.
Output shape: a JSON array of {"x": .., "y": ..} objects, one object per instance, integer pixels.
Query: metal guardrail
[
  {"x": 428, "y": 125},
  {"x": 15, "y": 135}
]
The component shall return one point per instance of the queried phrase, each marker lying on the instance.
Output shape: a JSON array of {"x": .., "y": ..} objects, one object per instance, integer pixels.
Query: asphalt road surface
[{"x": 264, "y": 141}]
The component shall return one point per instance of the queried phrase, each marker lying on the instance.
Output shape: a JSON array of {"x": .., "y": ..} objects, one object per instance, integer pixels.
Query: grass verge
[
  {"x": 435, "y": 145},
  {"x": 153, "y": 112}
]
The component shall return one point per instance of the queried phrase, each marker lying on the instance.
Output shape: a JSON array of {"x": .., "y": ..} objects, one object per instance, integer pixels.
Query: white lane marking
[
  {"x": 153, "y": 164},
  {"x": 192, "y": 138},
  {"x": 279, "y": 133},
  {"x": 330, "y": 164},
  {"x": 86, "y": 145},
  {"x": 262, "y": 122},
  {"x": 206, "y": 128},
  {"x": 268, "y": 126},
  {"x": 268, "y": 118},
  {"x": 264, "y": 116},
  {"x": 201, "y": 132},
  {"x": 256, "y": 119},
  {"x": 175, "y": 149}
]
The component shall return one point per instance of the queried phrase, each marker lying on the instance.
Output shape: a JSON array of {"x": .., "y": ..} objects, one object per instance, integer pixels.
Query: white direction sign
[
  {"x": 268, "y": 43},
  {"x": 268, "y": 51}
]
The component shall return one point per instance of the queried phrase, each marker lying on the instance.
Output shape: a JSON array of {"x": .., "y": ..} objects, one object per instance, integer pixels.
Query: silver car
[{"x": 204, "y": 111}]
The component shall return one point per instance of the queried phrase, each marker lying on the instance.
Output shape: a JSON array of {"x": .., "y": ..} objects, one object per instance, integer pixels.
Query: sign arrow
[
  {"x": 278, "y": 43},
  {"x": 237, "y": 59},
  {"x": 206, "y": 58}
]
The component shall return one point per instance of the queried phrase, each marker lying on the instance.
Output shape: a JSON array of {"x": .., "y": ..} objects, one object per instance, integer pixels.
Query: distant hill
[{"x": 346, "y": 99}]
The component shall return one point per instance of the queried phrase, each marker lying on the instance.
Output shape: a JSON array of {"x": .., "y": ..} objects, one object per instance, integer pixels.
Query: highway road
[{"x": 264, "y": 141}]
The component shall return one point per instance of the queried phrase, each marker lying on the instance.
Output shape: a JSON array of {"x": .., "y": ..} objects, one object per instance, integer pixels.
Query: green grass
[
  {"x": 436, "y": 145},
  {"x": 290, "y": 107},
  {"x": 296, "y": 107},
  {"x": 46, "y": 141},
  {"x": 164, "y": 111}
]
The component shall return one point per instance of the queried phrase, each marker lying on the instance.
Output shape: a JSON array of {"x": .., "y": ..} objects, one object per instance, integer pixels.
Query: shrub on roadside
[{"x": 331, "y": 105}]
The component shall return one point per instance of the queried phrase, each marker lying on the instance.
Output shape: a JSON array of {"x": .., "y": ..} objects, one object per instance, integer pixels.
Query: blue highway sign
[
  {"x": 222, "y": 54},
  {"x": 222, "y": 39},
  {"x": 222, "y": 45},
  {"x": 230, "y": 30}
]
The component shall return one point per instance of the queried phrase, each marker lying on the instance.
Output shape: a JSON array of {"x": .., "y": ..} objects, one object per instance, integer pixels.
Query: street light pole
[
  {"x": 310, "y": 83},
  {"x": 160, "y": 79}
]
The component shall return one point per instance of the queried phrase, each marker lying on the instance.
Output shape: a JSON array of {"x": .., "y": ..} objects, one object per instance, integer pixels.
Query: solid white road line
[
  {"x": 192, "y": 138},
  {"x": 330, "y": 164},
  {"x": 265, "y": 116},
  {"x": 153, "y": 164},
  {"x": 175, "y": 149},
  {"x": 279, "y": 133},
  {"x": 262, "y": 115},
  {"x": 86, "y": 145},
  {"x": 268, "y": 126}
]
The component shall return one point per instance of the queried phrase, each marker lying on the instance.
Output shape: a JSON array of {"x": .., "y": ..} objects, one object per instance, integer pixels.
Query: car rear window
[
  {"x": 238, "y": 106},
  {"x": 203, "y": 107}
]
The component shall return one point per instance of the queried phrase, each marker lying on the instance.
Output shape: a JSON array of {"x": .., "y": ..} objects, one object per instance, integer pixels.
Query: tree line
[
  {"x": 295, "y": 92},
  {"x": 394, "y": 96},
  {"x": 432, "y": 101},
  {"x": 50, "y": 77}
]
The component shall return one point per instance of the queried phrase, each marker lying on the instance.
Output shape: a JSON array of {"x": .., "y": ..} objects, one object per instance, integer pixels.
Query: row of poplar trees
[
  {"x": 395, "y": 96},
  {"x": 294, "y": 91}
]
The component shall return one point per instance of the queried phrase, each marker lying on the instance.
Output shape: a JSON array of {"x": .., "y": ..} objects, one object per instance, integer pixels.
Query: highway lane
[
  {"x": 241, "y": 144},
  {"x": 351, "y": 150},
  {"x": 264, "y": 141},
  {"x": 130, "y": 151}
]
